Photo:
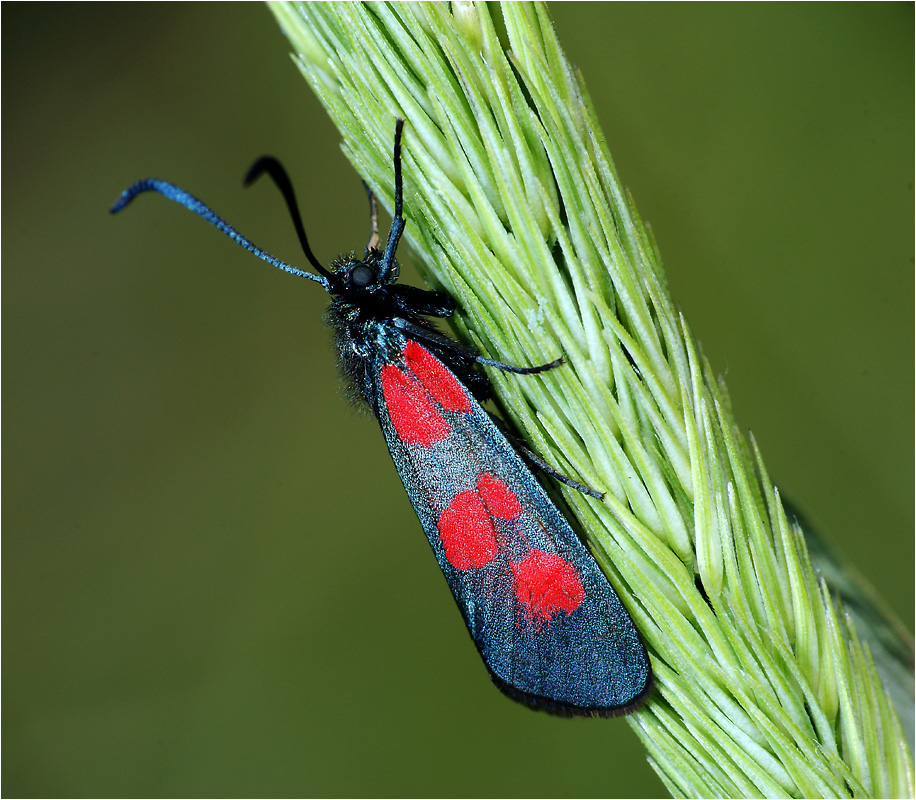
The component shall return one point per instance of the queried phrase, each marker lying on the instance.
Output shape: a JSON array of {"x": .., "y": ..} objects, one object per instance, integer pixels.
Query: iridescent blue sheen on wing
[{"x": 589, "y": 661}]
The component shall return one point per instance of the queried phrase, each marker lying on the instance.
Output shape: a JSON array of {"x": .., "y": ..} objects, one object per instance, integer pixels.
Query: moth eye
[{"x": 362, "y": 276}]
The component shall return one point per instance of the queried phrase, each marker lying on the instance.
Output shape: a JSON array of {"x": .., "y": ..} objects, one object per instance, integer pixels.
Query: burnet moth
[{"x": 551, "y": 630}]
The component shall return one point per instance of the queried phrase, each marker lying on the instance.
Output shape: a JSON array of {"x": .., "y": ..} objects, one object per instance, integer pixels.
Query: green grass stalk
[{"x": 765, "y": 685}]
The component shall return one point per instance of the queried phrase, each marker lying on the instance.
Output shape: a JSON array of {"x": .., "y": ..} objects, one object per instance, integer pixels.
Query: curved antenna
[
  {"x": 179, "y": 195},
  {"x": 275, "y": 169},
  {"x": 397, "y": 223}
]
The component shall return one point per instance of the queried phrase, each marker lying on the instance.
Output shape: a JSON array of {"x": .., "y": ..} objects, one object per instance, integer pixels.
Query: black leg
[
  {"x": 451, "y": 346},
  {"x": 397, "y": 224},
  {"x": 522, "y": 449},
  {"x": 557, "y": 476}
]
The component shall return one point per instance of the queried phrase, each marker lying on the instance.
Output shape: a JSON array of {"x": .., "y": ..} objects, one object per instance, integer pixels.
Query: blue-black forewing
[{"x": 587, "y": 661}]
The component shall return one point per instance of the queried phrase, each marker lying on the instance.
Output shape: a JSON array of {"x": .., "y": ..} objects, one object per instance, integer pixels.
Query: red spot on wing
[
  {"x": 466, "y": 526},
  {"x": 410, "y": 409},
  {"x": 467, "y": 533},
  {"x": 500, "y": 499},
  {"x": 545, "y": 583},
  {"x": 436, "y": 379}
]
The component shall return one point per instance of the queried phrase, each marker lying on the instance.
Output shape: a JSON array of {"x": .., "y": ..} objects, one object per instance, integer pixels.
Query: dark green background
[{"x": 213, "y": 583}]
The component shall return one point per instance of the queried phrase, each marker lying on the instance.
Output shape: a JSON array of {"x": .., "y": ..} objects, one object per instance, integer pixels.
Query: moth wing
[{"x": 550, "y": 628}]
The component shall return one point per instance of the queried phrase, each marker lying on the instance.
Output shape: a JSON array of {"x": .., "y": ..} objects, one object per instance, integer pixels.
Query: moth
[{"x": 552, "y": 632}]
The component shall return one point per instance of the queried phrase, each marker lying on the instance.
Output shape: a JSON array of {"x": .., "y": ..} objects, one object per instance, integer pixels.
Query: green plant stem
[{"x": 765, "y": 686}]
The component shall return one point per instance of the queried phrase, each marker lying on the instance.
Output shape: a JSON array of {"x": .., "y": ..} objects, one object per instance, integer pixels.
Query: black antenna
[
  {"x": 275, "y": 169},
  {"x": 179, "y": 195},
  {"x": 271, "y": 166}
]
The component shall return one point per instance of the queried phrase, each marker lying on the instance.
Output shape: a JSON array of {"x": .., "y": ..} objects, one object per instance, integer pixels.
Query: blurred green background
[{"x": 213, "y": 583}]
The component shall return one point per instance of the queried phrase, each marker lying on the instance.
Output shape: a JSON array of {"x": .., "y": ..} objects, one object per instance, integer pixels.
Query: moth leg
[
  {"x": 542, "y": 465},
  {"x": 489, "y": 362},
  {"x": 372, "y": 244},
  {"x": 397, "y": 222},
  {"x": 469, "y": 353},
  {"x": 525, "y": 452}
]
